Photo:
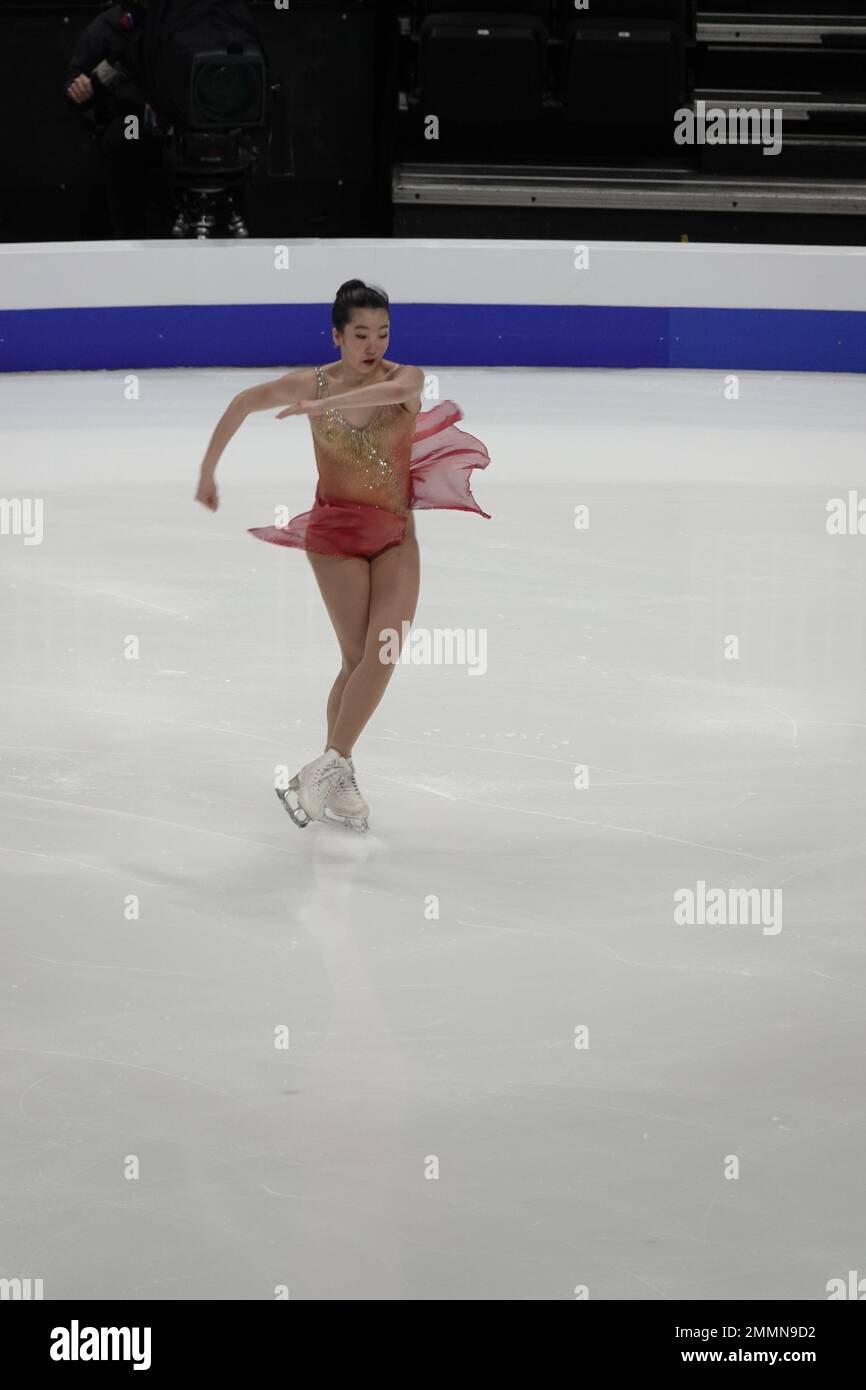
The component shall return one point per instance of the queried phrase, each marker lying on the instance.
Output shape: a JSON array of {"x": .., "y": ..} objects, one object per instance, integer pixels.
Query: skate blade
[
  {"x": 297, "y": 812},
  {"x": 359, "y": 824}
]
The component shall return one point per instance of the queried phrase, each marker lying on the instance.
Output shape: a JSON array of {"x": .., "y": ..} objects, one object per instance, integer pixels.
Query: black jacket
[{"x": 105, "y": 38}]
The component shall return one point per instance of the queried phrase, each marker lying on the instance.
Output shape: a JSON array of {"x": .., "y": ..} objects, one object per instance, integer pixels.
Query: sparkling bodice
[{"x": 368, "y": 463}]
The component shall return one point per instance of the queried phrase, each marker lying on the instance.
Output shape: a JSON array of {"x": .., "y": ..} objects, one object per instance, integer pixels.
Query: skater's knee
[
  {"x": 351, "y": 660},
  {"x": 382, "y": 654}
]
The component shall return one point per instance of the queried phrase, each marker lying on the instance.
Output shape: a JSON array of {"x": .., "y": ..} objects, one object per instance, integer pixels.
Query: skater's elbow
[{"x": 238, "y": 407}]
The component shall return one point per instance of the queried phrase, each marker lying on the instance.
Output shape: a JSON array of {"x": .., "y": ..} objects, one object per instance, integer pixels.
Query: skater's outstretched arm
[{"x": 286, "y": 390}]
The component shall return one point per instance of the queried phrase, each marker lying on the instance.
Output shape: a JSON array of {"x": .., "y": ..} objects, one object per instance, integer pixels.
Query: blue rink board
[{"x": 448, "y": 335}]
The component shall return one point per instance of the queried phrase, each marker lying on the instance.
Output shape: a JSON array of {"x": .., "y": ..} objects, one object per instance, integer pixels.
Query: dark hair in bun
[{"x": 354, "y": 294}]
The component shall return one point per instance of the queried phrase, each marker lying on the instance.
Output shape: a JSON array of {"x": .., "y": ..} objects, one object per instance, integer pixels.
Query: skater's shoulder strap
[{"x": 321, "y": 384}]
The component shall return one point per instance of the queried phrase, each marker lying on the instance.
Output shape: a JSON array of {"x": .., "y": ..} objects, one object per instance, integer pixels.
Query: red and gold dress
[{"x": 371, "y": 476}]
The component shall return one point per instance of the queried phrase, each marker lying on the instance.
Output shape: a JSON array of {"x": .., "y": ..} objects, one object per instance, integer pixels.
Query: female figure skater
[{"x": 378, "y": 456}]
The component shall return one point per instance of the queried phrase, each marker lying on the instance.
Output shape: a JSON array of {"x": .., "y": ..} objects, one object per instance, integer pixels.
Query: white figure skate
[
  {"x": 309, "y": 789},
  {"x": 346, "y": 804}
]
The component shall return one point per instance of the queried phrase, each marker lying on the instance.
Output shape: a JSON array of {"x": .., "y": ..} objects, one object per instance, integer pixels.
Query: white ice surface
[{"x": 453, "y": 1038}]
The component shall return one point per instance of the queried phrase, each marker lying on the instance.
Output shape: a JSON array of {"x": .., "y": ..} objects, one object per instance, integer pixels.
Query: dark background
[{"x": 347, "y": 144}]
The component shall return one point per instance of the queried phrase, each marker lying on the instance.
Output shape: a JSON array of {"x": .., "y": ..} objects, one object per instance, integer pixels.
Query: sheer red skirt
[{"x": 441, "y": 462}]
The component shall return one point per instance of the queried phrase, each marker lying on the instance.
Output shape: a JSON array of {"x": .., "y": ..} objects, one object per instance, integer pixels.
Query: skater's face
[{"x": 364, "y": 341}]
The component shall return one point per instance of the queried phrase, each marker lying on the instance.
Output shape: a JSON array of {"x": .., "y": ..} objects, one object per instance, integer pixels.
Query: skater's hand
[
  {"x": 207, "y": 494},
  {"x": 304, "y": 408},
  {"x": 81, "y": 89}
]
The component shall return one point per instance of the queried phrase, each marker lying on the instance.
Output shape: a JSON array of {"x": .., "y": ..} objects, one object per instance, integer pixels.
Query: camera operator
[{"x": 99, "y": 85}]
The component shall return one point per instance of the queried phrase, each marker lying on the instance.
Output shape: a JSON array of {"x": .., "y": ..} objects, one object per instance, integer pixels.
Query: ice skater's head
[{"x": 362, "y": 324}]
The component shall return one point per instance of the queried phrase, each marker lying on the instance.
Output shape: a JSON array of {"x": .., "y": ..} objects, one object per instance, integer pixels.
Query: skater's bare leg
[
  {"x": 334, "y": 699},
  {"x": 344, "y": 583},
  {"x": 394, "y": 584}
]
